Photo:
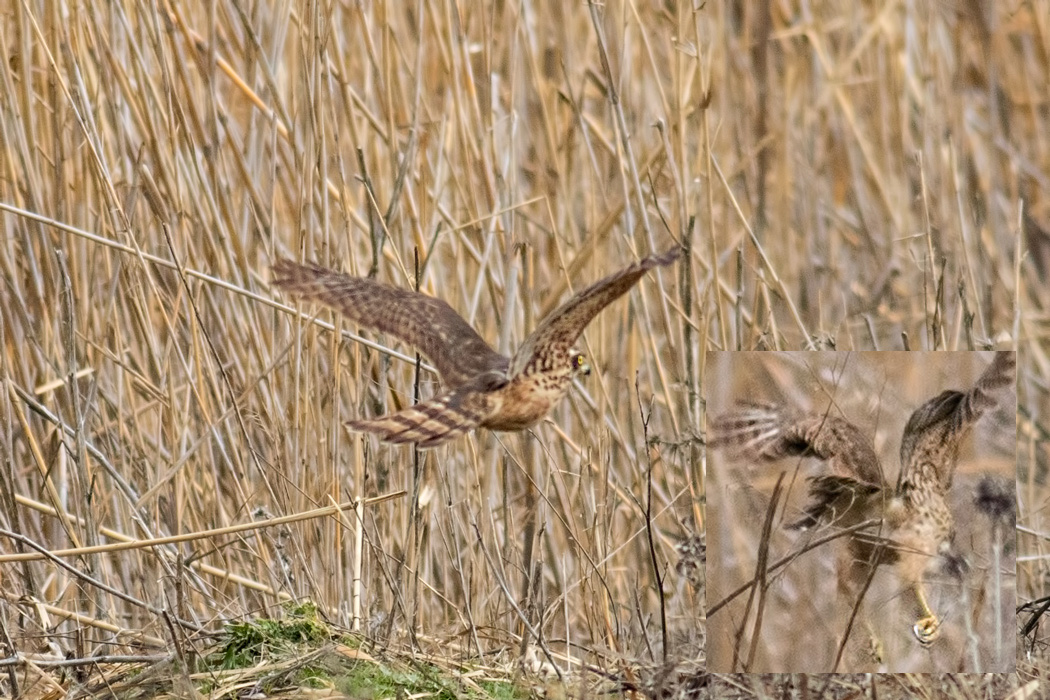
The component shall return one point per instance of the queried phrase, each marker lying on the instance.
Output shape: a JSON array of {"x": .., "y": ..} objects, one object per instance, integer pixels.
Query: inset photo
[{"x": 861, "y": 510}]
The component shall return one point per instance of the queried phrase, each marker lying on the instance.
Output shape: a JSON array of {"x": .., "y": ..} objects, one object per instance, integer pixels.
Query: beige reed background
[{"x": 858, "y": 175}]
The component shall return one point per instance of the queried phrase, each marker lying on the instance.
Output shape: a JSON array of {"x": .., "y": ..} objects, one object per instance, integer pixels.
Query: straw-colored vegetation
[{"x": 841, "y": 174}]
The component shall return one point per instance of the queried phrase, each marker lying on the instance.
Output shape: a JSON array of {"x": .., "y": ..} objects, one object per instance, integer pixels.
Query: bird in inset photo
[
  {"x": 482, "y": 388},
  {"x": 917, "y": 523}
]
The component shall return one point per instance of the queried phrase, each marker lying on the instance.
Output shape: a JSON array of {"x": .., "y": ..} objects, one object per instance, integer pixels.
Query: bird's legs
[
  {"x": 864, "y": 648},
  {"x": 927, "y": 628}
]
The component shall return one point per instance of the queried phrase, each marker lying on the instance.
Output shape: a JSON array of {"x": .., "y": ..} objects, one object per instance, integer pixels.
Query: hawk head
[{"x": 578, "y": 364}]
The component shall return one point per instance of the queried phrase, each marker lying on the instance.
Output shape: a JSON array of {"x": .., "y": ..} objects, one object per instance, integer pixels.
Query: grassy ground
[{"x": 856, "y": 176}]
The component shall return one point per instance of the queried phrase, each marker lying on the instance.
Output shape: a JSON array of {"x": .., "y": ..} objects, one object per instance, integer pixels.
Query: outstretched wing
[
  {"x": 428, "y": 324},
  {"x": 434, "y": 422},
  {"x": 766, "y": 433},
  {"x": 930, "y": 443},
  {"x": 554, "y": 337}
]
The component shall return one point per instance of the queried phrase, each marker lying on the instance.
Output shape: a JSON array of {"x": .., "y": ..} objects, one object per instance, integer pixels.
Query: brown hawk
[
  {"x": 918, "y": 524},
  {"x": 482, "y": 387}
]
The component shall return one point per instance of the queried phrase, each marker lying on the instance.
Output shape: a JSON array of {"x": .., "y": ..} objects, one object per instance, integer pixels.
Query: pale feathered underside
[{"x": 936, "y": 428}]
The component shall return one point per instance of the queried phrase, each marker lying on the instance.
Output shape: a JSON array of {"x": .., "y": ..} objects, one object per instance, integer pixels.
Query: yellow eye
[{"x": 579, "y": 365}]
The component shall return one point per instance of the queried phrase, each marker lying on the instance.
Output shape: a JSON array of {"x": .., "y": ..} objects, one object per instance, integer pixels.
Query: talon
[{"x": 927, "y": 630}]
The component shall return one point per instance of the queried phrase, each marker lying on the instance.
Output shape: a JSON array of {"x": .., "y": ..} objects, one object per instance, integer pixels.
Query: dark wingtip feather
[
  {"x": 665, "y": 258},
  {"x": 286, "y": 272}
]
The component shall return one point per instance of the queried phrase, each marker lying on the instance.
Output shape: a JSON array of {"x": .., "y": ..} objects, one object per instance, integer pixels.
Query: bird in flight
[
  {"x": 918, "y": 524},
  {"x": 482, "y": 388}
]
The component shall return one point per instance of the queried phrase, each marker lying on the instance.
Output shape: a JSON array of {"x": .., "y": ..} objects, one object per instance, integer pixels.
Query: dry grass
[{"x": 840, "y": 173}]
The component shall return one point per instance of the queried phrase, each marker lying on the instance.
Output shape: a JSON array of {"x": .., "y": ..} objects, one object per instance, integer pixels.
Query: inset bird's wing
[
  {"x": 766, "y": 433},
  {"x": 930, "y": 444},
  {"x": 424, "y": 322},
  {"x": 434, "y": 422},
  {"x": 555, "y": 335}
]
